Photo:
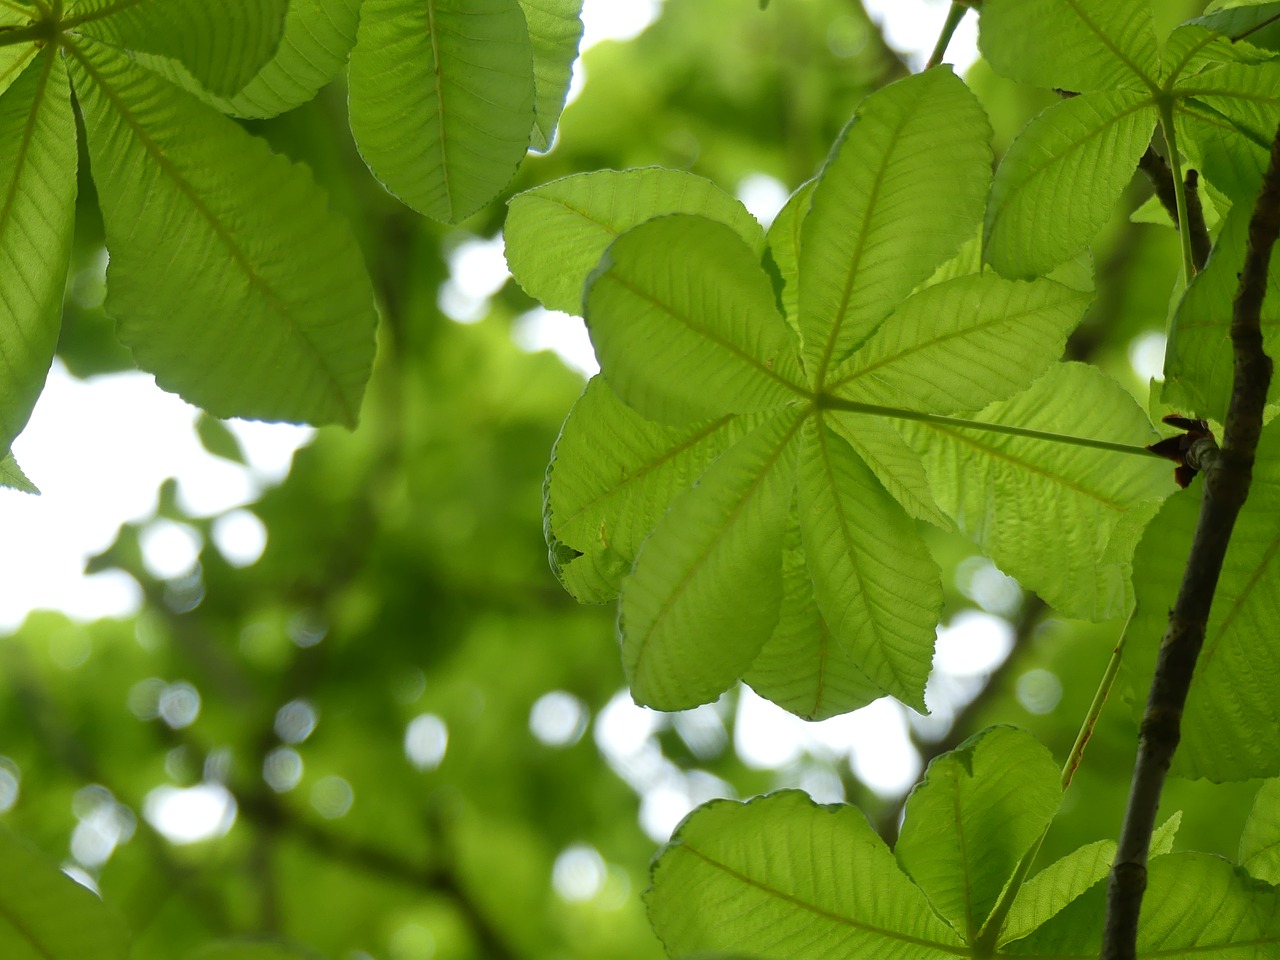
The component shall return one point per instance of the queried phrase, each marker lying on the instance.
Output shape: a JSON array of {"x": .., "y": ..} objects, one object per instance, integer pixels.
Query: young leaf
[
  {"x": 1231, "y": 725},
  {"x": 873, "y": 578},
  {"x": 1260, "y": 840},
  {"x": 555, "y": 28},
  {"x": 222, "y": 317},
  {"x": 904, "y": 187},
  {"x": 11, "y": 476},
  {"x": 685, "y": 323},
  {"x": 222, "y": 45},
  {"x": 442, "y": 99},
  {"x": 801, "y": 667},
  {"x": 1096, "y": 44},
  {"x": 707, "y": 586},
  {"x": 1074, "y": 497},
  {"x": 45, "y": 914},
  {"x": 318, "y": 35},
  {"x": 877, "y": 441},
  {"x": 555, "y": 234},
  {"x": 784, "y": 879},
  {"x": 37, "y": 213},
  {"x": 971, "y": 820},
  {"x": 613, "y": 475},
  {"x": 784, "y": 250},
  {"x": 1062, "y": 177},
  {"x": 1060, "y": 883},
  {"x": 959, "y": 345}
]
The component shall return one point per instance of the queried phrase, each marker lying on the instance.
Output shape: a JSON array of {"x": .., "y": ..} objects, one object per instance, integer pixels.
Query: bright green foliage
[
  {"x": 45, "y": 915},
  {"x": 11, "y": 475},
  {"x": 1231, "y": 727},
  {"x": 442, "y": 99},
  {"x": 1065, "y": 172},
  {"x": 1075, "y": 500},
  {"x": 1260, "y": 840},
  {"x": 556, "y": 233},
  {"x": 688, "y": 331},
  {"x": 223, "y": 46},
  {"x": 223, "y": 315},
  {"x": 37, "y": 201},
  {"x": 555, "y": 28},
  {"x": 783, "y": 877}
]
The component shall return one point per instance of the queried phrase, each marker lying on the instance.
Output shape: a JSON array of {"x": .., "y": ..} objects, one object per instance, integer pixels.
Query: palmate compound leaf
[
  {"x": 37, "y": 213},
  {"x": 221, "y": 45},
  {"x": 229, "y": 276},
  {"x": 442, "y": 99},
  {"x": 781, "y": 877},
  {"x": 1066, "y": 517},
  {"x": 45, "y": 915},
  {"x": 555, "y": 234},
  {"x": 904, "y": 187},
  {"x": 1231, "y": 725}
]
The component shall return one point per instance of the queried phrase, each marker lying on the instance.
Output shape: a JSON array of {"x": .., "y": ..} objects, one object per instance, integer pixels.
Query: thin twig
[
  {"x": 1157, "y": 170},
  {"x": 1226, "y": 479},
  {"x": 954, "y": 16}
]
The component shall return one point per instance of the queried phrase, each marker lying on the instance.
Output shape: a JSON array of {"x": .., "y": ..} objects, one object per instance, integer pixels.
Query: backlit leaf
[
  {"x": 874, "y": 580},
  {"x": 707, "y": 586},
  {"x": 1050, "y": 890},
  {"x": 904, "y": 187},
  {"x": 896, "y": 465},
  {"x": 442, "y": 99},
  {"x": 1260, "y": 840},
  {"x": 685, "y": 323},
  {"x": 223, "y": 318},
  {"x": 11, "y": 476},
  {"x": 1062, "y": 177},
  {"x": 556, "y": 233},
  {"x": 37, "y": 213},
  {"x": 555, "y": 28},
  {"x": 223, "y": 45}
]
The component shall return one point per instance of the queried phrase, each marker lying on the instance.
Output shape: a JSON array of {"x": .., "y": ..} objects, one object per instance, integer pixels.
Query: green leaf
[
  {"x": 873, "y": 578},
  {"x": 1195, "y": 905},
  {"x": 318, "y": 36},
  {"x": 14, "y": 58},
  {"x": 1054, "y": 887},
  {"x": 962, "y": 344},
  {"x": 896, "y": 465},
  {"x": 1075, "y": 498},
  {"x": 782, "y": 878},
  {"x": 45, "y": 915},
  {"x": 801, "y": 667},
  {"x": 973, "y": 817},
  {"x": 11, "y": 476},
  {"x": 1062, "y": 177},
  {"x": 555, "y": 28},
  {"x": 1231, "y": 724},
  {"x": 1225, "y": 120},
  {"x": 904, "y": 187},
  {"x": 685, "y": 323},
  {"x": 1075, "y": 45},
  {"x": 224, "y": 318},
  {"x": 442, "y": 99},
  {"x": 217, "y": 438},
  {"x": 1198, "y": 358},
  {"x": 223, "y": 45},
  {"x": 784, "y": 250},
  {"x": 37, "y": 213},
  {"x": 706, "y": 591},
  {"x": 556, "y": 233},
  {"x": 613, "y": 475},
  {"x": 1260, "y": 840}
]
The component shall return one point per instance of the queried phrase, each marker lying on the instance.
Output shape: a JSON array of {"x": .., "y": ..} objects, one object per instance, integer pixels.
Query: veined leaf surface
[
  {"x": 223, "y": 45},
  {"x": 442, "y": 99},
  {"x": 896, "y": 465},
  {"x": 37, "y": 213},
  {"x": 706, "y": 590},
  {"x": 1260, "y": 839},
  {"x": 555, "y": 29},
  {"x": 685, "y": 323},
  {"x": 904, "y": 187},
  {"x": 221, "y": 317},
  {"x": 873, "y": 578},
  {"x": 1073, "y": 497},
  {"x": 556, "y": 233},
  {"x": 11, "y": 475}
]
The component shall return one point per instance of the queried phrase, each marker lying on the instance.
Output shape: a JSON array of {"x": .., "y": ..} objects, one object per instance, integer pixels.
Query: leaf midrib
[{"x": 259, "y": 283}]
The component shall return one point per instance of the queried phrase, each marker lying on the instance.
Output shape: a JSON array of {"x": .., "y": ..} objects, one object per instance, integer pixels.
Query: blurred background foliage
[{"x": 402, "y": 739}]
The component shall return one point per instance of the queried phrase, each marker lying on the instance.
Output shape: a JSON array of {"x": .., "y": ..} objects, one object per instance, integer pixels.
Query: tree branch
[{"x": 1226, "y": 485}]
